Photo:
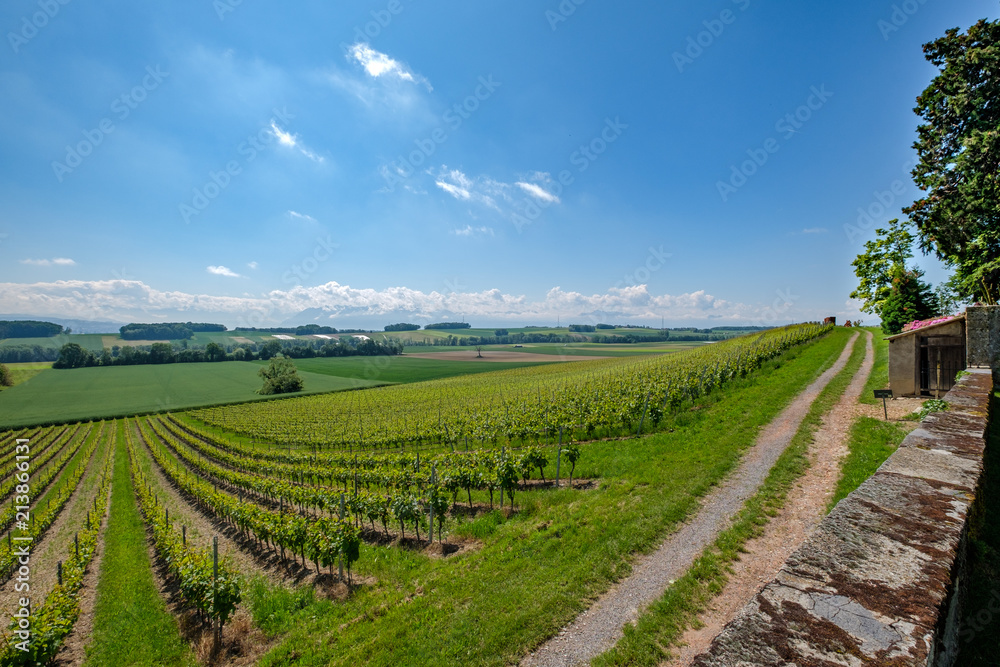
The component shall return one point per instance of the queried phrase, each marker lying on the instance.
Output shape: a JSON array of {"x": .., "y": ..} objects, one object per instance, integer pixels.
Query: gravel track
[
  {"x": 804, "y": 508},
  {"x": 600, "y": 627}
]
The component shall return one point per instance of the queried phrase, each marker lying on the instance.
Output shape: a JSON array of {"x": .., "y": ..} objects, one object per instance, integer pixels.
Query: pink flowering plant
[{"x": 920, "y": 324}]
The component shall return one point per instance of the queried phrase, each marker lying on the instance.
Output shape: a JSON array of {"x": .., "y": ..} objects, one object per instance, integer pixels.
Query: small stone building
[{"x": 925, "y": 361}]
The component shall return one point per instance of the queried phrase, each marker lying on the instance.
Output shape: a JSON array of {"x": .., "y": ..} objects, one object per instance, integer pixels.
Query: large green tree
[
  {"x": 71, "y": 355},
  {"x": 958, "y": 145},
  {"x": 910, "y": 298},
  {"x": 883, "y": 259},
  {"x": 280, "y": 377}
]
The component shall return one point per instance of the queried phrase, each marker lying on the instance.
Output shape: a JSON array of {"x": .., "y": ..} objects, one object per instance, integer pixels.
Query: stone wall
[
  {"x": 983, "y": 341},
  {"x": 875, "y": 582}
]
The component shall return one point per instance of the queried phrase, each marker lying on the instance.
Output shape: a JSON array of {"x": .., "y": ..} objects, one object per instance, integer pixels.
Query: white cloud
[
  {"x": 252, "y": 265},
  {"x": 223, "y": 271},
  {"x": 481, "y": 190},
  {"x": 815, "y": 230},
  {"x": 122, "y": 300},
  {"x": 454, "y": 190},
  {"x": 292, "y": 141},
  {"x": 302, "y": 216},
  {"x": 378, "y": 64},
  {"x": 469, "y": 230},
  {"x": 538, "y": 192},
  {"x": 525, "y": 197},
  {"x": 56, "y": 261}
]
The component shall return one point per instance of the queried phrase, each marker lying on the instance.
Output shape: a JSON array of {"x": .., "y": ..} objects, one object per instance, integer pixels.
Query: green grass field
[
  {"x": 92, "y": 393},
  {"x": 92, "y": 342}
]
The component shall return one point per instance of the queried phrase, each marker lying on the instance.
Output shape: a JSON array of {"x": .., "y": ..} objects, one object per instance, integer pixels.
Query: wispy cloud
[
  {"x": 469, "y": 230},
  {"x": 538, "y": 192},
  {"x": 57, "y": 261},
  {"x": 455, "y": 191},
  {"x": 815, "y": 230},
  {"x": 481, "y": 190},
  {"x": 292, "y": 141},
  {"x": 302, "y": 216},
  {"x": 223, "y": 271},
  {"x": 378, "y": 64},
  {"x": 526, "y": 196},
  {"x": 252, "y": 265}
]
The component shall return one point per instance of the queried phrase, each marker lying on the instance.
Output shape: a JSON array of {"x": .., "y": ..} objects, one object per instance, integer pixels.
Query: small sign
[{"x": 884, "y": 394}]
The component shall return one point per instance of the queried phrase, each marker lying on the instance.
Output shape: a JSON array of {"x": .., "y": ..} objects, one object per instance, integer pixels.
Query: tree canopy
[
  {"x": 280, "y": 377},
  {"x": 29, "y": 329},
  {"x": 883, "y": 259},
  {"x": 72, "y": 355},
  {"x": 909, "y": 299},
  {"x": 958, "y": 146}
]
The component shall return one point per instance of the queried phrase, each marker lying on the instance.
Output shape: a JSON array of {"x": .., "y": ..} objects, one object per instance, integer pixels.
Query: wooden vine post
[
  {"x": 559, "y": 455},
  {"x": 340, "y": 558},
  {"x": 217, "y": 625}
]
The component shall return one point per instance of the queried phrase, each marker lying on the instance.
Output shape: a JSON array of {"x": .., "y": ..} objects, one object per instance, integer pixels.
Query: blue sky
[{"x": 509, "y": 162}]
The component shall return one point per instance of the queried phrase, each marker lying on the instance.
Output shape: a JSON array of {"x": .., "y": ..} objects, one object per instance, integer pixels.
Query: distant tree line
[
  {"x": 28, "y": 329},
  {"x": 503, "y": 337},
  {"x": 167, "y": 330},
  {"x": 402, "y": 326},
  {"x": 23, "y": 354},
  {"x": 518, "y": 338},
  {"x": 448, "y": 325},
  {"x": 72, "y": 355},
  {"x": 304, "y": 330}
]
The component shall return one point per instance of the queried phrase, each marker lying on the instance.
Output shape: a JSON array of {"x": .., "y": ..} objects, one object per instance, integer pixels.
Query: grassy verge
[
  {"x": 879, "y": 378},
  {"x": 872, "y": 442},
  {"x": 535, "y": 571},
  {"x": 131, "y": 623},
  {"x": 979, "y": 624},
  {"x": 663, "y": 623}
]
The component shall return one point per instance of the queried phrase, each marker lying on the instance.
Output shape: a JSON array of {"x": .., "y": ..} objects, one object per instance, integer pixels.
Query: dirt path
[
  {"x": 804, "y": 508},
  {"x": 55, "y": 543},
  {"x": 598, "y": 628}
]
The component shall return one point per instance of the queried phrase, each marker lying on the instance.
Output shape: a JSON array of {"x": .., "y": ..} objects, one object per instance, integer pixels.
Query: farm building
[{"x": 925, "y": 360}]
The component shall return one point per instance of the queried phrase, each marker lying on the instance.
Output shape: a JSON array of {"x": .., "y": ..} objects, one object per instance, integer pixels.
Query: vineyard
[
  {"x": 364, "y": 488},
  {"x": 586, "y": 399}
]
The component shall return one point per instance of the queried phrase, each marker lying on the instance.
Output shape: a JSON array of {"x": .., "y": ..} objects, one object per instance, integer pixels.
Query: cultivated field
[
  {"x": 297, "y": 489},
  {"x": 99, "y": 392}
]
